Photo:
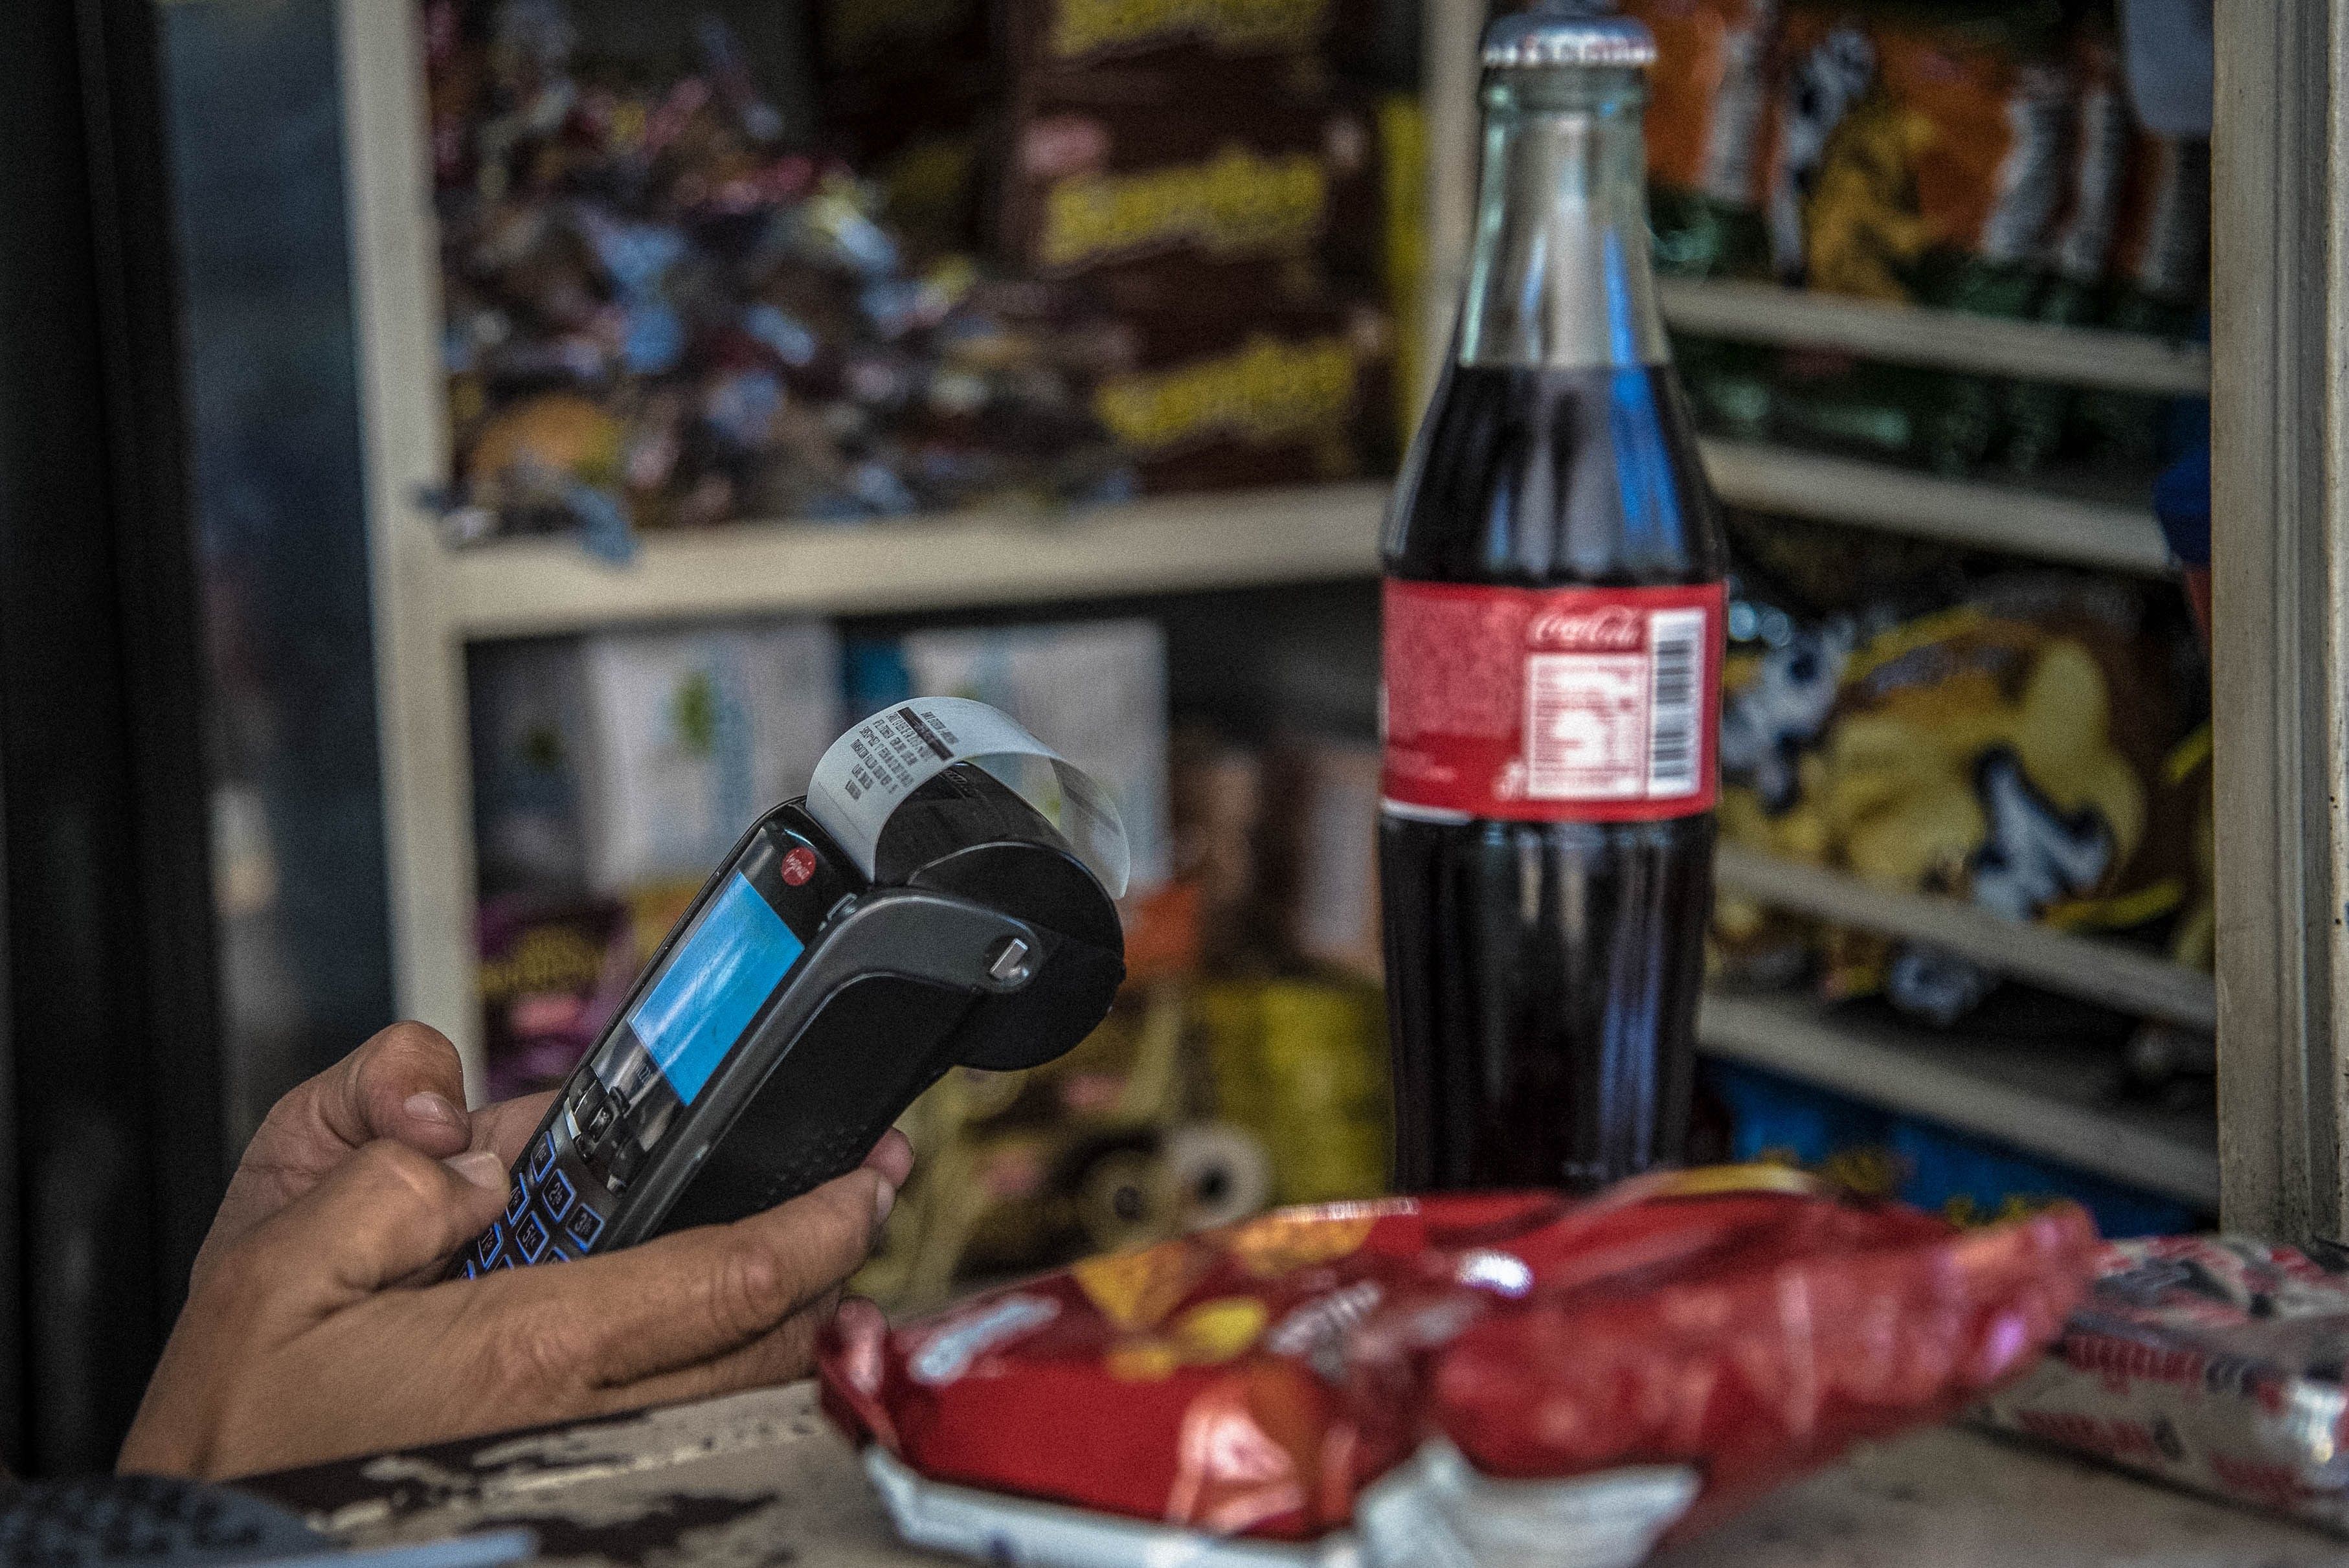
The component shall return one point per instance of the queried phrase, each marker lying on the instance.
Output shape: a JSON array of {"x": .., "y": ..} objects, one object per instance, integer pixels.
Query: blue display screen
[{"x": 724, "y": 972}]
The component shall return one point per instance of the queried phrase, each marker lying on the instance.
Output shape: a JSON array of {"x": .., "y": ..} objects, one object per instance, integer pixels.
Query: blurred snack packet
[
  {"x": 2011, "y": 750},
  {"x": 1447, "y": 1379},
  {"x": 1916, "y": 160},
  {"x": 1257, "y": 46},
  {"x": 1708, "y": 126},
  {"x": 1301, "y": 1064},
  {"x": 552, "y": 974},
  {"x": 2208, "y": 1362}
]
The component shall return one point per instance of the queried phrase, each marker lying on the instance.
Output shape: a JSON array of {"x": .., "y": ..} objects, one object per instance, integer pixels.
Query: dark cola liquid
[{"x": 1543, "y": 976}]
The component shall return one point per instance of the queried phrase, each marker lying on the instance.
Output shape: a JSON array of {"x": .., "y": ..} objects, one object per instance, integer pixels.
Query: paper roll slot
[{"x": 869, "y": 772}]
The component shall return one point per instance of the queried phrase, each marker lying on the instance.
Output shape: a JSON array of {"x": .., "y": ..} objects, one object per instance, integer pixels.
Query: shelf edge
[
  {"x": 1172, "y": 543},
  {"x": 2002, "y": 518},
  {"x": 2083, "y": 357},
  {"x": 1790, "y": 1039},
  {"x": 1162, "y": 544},
  {"x": 2098, "y": 971}
]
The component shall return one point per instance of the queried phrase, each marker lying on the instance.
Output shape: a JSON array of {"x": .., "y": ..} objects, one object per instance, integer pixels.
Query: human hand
[
  {"x": 308, "y": 1334},
  {"x": 404, "y": 1084}
]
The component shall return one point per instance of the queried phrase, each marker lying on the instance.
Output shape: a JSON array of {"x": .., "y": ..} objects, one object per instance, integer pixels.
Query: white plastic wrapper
[{"x": 1434, "y": 1511}]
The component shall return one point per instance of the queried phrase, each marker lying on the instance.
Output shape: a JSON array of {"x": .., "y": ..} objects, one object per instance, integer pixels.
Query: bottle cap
[{"x": 1567, "y": 33}]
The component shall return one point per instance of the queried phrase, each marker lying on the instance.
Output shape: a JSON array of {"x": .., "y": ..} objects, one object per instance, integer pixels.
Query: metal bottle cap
[{"x": 1567, "y": 33}]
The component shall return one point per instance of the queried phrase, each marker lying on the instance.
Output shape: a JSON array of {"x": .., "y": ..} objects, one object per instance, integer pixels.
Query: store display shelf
[
  {"x": 1998, "y": 517},
  {"x": 1941, "y": 339},
  {"x": 1171, "y": 543},
  {"x": 2123, "y": 978},
  {"x": 525, "y": 587},
  {"x": 2040, "y": 1098}
]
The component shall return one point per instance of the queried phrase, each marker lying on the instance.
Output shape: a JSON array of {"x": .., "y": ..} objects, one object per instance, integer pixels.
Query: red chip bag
[
  {"x": 1178, "y": 1382},
  {"x": 1254, "y": 1380},
  {"x": 1799, "y": 1327}
]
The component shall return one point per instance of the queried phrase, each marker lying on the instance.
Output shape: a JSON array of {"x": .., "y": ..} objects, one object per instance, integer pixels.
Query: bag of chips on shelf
[
  {"x": 2012, "y": 751},
  {"x": 1480, "y": 1379},
  {"x": 1917, "y": 158},
  {"x": 2159, "y": 284},
  {"x": 1708, "y": 127}
]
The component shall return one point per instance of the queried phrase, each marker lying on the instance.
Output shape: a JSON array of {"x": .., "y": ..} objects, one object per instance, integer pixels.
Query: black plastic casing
[{"x": 982, "y": 941}]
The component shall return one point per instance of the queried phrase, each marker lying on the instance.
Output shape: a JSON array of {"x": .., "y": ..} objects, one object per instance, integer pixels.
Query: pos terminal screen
[{"x": 720, "y": 977}]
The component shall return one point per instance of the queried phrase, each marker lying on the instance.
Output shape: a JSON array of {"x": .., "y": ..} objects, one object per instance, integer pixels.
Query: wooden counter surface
[{"x": 761, "y": 1479}]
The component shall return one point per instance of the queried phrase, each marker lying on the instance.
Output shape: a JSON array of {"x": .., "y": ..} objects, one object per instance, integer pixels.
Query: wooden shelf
[
  {"x": 520, "y": 588},
  {"x": 2045, "y": 1101},
  {"x": 2124, "y": 978},
  {"x": 1995, "y": 517},
  {"x": 1943, "y": 339}
]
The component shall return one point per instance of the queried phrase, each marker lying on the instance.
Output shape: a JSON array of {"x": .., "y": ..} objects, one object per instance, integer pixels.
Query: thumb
[{"x": 384, "y": 1214}]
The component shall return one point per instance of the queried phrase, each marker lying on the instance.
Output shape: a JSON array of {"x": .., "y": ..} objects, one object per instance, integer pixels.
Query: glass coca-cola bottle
[{"x": 1552, "y": 661}]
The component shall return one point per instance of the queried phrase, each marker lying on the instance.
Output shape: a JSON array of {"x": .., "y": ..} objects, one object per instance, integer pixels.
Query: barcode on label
[{"x": 1676, "y": 702}]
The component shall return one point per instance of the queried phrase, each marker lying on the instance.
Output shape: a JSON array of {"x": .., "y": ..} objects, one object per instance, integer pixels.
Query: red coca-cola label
[{"x": 1550, "y": 705}]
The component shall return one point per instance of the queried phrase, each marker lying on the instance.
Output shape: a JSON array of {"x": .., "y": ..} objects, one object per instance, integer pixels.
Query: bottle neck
[{"x": 1560, "y": 277}]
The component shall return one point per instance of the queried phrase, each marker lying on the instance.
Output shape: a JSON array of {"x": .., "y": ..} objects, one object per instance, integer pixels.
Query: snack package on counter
[
  {"x": 1709, "y": 124},
  {"x": 1876, "y": 1152},
  {"x": 624, "y": 757},
  {"x": 1467, "y": 1379},
  {"x": 1162, "y": 201},
  {"x": 1094, "y": 690},
  {"x": 2208, "y": 1362}
]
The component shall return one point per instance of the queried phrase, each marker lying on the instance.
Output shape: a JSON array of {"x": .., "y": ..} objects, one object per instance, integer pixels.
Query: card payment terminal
[{"x": 911, "y": 913}]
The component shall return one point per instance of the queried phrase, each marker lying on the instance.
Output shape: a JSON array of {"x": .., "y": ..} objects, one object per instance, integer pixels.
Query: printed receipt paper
[{"x": 869, "y": 770}]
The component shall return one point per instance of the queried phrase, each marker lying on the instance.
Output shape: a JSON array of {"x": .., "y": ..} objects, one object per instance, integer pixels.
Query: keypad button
[
  {"x": 472, "y": 1269},
  {"x": 584, "y": 1226},
  {"x": 486, "y": 1247},
  {"x": 531, "y": 1237},
  {"x": 624, "y": 1161},
  {"x": 542, "y": 1157},
  {"x": 556, "y": 1195},
  {"x": 517, "y": 1201}
]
